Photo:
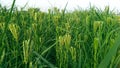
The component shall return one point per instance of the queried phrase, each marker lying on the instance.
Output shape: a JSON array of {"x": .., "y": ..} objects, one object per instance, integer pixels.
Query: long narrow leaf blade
[{"x": 110, "y": 54}]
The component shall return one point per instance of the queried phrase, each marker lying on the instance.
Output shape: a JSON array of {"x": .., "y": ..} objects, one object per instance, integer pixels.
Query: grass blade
[{"x": 110, "y": 54}]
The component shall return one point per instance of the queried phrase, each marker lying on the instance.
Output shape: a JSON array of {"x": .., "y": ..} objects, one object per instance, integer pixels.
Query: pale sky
[{"x": 72, "y": 4}]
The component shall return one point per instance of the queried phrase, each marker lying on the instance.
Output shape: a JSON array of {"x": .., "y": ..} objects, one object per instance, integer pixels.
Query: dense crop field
[{"x": 59, "y": 39}]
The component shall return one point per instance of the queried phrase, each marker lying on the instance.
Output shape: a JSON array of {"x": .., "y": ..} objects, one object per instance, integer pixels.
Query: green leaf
[{"x": 105, "y": 62}]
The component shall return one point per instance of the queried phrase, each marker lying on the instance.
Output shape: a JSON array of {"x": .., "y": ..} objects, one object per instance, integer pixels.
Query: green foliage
[{"x": 59, "y": 39}]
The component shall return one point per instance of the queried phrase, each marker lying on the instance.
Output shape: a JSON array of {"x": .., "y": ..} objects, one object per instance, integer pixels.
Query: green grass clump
[{"x": 59, "y": 39}]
